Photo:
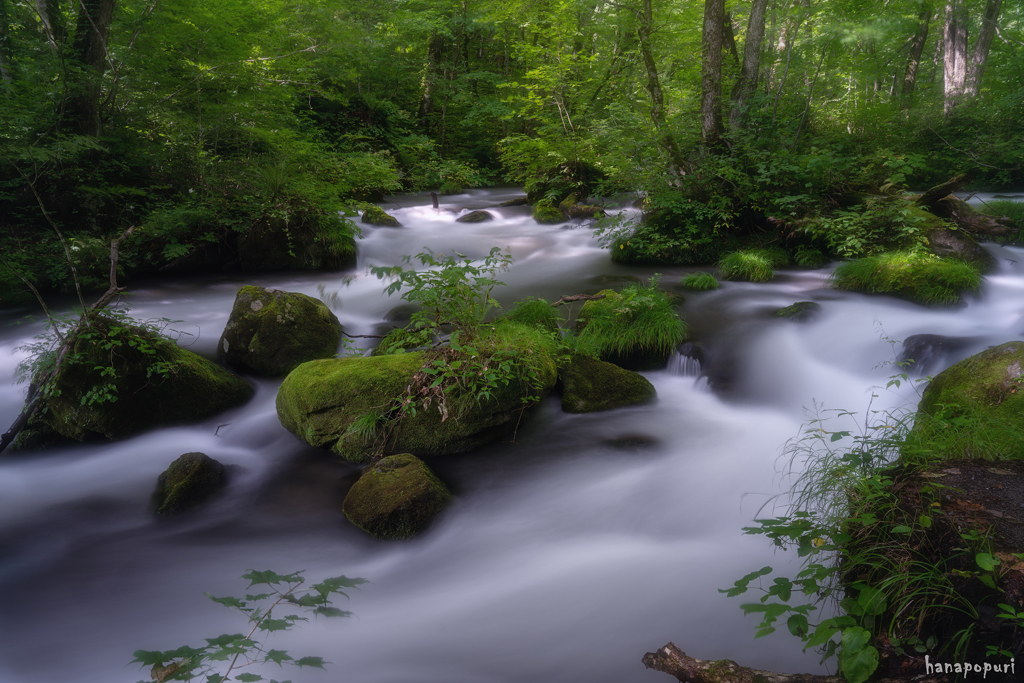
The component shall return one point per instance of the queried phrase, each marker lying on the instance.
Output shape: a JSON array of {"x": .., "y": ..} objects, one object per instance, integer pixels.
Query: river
[{"x": 566, "y": 555}]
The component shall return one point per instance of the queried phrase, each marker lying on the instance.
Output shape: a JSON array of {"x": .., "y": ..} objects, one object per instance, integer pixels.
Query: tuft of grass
[
  {"x": 752, "y": 265},
  {"x": 639, "y": 319},
  {"x": 534, "y": 312},
  {"x": 959, "y": 432},
  {"x": 809, "y": 257},
  {"x": 699, "y": 282},
  {"x": 912, "y": 275}
]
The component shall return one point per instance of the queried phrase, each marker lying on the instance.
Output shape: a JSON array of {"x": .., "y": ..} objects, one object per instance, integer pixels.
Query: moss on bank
[{"x": 916, "y": 276}]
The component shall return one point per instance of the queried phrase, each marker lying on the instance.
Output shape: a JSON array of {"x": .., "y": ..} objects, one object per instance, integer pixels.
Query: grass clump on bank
[
  {"x": 535, "y": 312},
  {"x": 752, "y": 265},
  {"x": 699, "y": 282},
  {"x": 915, "y": 276}
]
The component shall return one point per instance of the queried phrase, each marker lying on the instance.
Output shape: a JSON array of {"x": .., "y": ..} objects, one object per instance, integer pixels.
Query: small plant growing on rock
[
  {"x": 238, "y": 651},
  {"x": 699, "y": 282}
]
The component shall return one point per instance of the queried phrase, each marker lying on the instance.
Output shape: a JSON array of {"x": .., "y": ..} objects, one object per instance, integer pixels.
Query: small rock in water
[
  {"x": 396, "y": 498},
  {"x": 478, "y": 216},
  {"x": 190, "y": 481},
  {"x": 801, "y": 311}
]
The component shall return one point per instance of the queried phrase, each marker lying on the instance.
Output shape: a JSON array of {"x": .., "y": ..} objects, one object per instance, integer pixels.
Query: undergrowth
[
  {"x": 752, "y": 265},
  {"x": 639, "y": 319},
  {"x": 699, "y": 282},
  {"x": 920, "y": 277}
]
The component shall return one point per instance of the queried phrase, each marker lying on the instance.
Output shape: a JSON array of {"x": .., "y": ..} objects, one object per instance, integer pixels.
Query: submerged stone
[
  {"x": 478, "y": 216},
  {"x": 801, "y": 311},
  {"x": 374, "y": 215},
  {"x": 590, "y": 385},
  {"x": 396, "y": 498},
  {"x": 121, "y": 380},
  {"x": 190, "y": 481},
  {"x": 272, "y": 332}
]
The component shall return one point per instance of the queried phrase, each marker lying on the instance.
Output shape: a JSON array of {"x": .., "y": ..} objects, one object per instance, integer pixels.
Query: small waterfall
[{"x": 683, "y": 366}]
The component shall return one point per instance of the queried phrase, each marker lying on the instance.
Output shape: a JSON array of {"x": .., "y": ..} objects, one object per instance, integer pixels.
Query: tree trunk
[
  {"x": 667, "y": 139},
  {"x": 53, "y": 22},
  {"x": 434, "y": 49},
  {"x": 986, "y": 33},
  {"x": 955, "y": 64},
  {"x": 5, "y": 44},
  {"x": 746, "y": 84},
  {"x": 712, "y": 39},
  {"x": 673, "y": 661},
  {"x": 916, "y": 49},
  {"x": 90, "y": 48}
]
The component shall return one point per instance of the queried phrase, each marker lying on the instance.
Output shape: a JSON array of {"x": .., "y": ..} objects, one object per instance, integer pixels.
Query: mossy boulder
[
  {"x": 120, "y": 380},
  {"x": 271, "y": 332},
  {"x": 478, "y": 216},
  {"x": 636, "y": 329},
  {"x": 800, "y": 312},
  {"x": 590, "y": 385},
  {"x": 396, "y": 498},
  {"x": 992, "y": 379},
  {"x": 957, "y": 244},
  {"x": 320, "y": 400},
  {"x": 374, "y": 215},
  {"x": 574, "y": 209},
  {"x": 37, "y": 436},
  {"x": 546, "y": 214},
  {"x": 190, "y": 481},
  {"x": 517, "y": 201}
]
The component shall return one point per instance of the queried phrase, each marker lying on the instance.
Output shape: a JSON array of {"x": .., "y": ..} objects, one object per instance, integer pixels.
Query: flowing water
[{"x": 568, "y": 553}]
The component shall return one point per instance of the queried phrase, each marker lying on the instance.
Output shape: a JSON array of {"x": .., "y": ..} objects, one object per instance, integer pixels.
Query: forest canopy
[{"x": 241, "y": 133}]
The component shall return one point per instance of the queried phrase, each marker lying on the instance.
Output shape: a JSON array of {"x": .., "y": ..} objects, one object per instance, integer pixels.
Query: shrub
[
  {"x": 915, "y": 276},
  {"x": 535, "y": 312},
  {"x": 1014, "y": 210},
  {"x": 699, "y": 282}
]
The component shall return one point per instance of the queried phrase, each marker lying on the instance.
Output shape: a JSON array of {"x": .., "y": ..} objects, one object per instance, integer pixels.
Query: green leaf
[
  {"x": 318, "y": 662},
  {"x": 901, "y": 529},
  {"x": 229, "y": 601},
  {"x": 797, "y": 625},
  {"x": 925, "y": 521},
  {"x": 272, "y": 578},
  {"x": 249, "y": 678},
  {"x": 986, "y": 561},
  {"x": 859, "y": 660},
  {"x": 764, "y": 631},
  {"x": 331, "y": 612},
  {"x": 277, "y": 656},
  {"x": 872, "y": 601},
  {"x": 221, "y": 641},
  {"x": 275, "y": 625}
]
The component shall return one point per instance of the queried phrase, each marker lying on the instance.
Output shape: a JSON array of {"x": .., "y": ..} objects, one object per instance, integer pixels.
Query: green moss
[
  {"x": 272, "y": 332},
  {"x": 190, "y": 481},
  {"x": 374, "y": 215},
  {"x": 546, "y": 214},
  {"x": 590, "y": 385},
  {"x": 396, "y": 498},
  {"x": 916, "y": 276},
  {"x": 636, "y": 328},
  {"x": 321, "y": 400},
  {"x": 993, "y": 378},
  {"x": 478, "y": 216},
  {"x": 152, "y": 382},
  {"x": 699, "y": 282}
]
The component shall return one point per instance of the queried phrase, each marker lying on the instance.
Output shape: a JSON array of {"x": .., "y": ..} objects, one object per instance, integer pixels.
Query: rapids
[{"x": 567, "y": 555}]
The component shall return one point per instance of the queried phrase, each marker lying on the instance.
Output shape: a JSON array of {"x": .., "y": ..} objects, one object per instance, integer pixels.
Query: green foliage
[
  {"x": 534, "y": 312},
  {"x": 699, "y": 282},
  {"x": 863, "y": 551},
  {"x": 959, "y": 432},
  {"x": 639, "y": 319},
  {"x": 880, "y": 224},
  {"x": 755, "y": 265},
  {"x": 1012, "y": 209},
  {"x": 235, "y": 651},
  {"x": 914, "y": 275},
  {"x": 457, "y": 293}
]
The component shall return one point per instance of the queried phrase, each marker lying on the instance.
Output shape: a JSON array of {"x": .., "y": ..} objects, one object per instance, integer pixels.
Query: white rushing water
[{"x": 567, "y": 554}]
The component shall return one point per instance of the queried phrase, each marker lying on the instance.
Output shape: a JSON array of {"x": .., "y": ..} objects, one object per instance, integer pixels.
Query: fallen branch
[
  {"x": 673, "y": 661},
  {"x": 579, "y": 297},
  {"x": 932, "y": 196}
]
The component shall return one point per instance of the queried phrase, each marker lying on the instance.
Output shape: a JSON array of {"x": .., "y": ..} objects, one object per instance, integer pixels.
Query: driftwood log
[
  {"x": 674, "y": 662},
  {"x": 578, "y": 297},
  {"x": 940, "y": 201}
]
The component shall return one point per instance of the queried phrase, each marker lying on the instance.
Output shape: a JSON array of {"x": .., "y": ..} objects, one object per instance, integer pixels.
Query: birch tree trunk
[
  {"x": 916, "y": 49},
  {"x": 955, "y": 63},
  {"x": 712, "y": 40},
  {"x": 986, "y": 33},
  {"x": 746, "y": 84},
  {"x": 666, "y": 139}
]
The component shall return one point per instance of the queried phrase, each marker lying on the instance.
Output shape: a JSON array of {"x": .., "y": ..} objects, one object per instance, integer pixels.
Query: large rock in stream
[
  {"x": 395, "y": 498},
  {"x": 992, "y": 379},
  {"x": 120, "y": 380},
  {"x": 321, "y": 400},
  {"x": 272, "y": 332},
  {"x": 590, "y": 385}
]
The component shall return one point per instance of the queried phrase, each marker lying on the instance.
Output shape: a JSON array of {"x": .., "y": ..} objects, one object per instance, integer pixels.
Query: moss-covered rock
[
  {"x": 374, "y": 215},
  {"x": 396, "y": 498},
  {"x": 993, "y": 379},
  {"x": 190, "y": 481},
  {"x": 321, "y": 400},
  {"x": 517, "y": 201},
  {"x": 478, "y": 216},
  {"x": 801, "y": 311},
  {"x": 959, "y": 245},
  {"x": 121, "y": 380},
  {"x": 916, "y": 276},
  {"x": 590, "y": 385},
  {"x": 636, "y": 328},
  {"x": 546, "y": 214},
  {"x": 272, "y": 332},
  {"x": 571, "y": 207},
  {"x": 37, "y": 436}
]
